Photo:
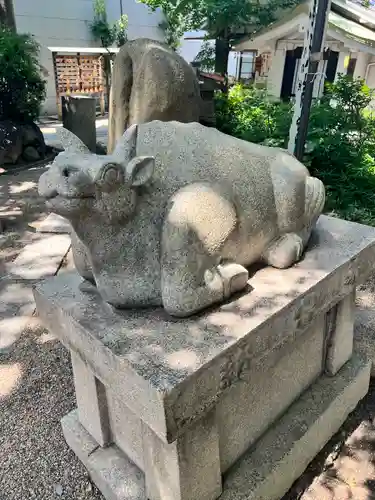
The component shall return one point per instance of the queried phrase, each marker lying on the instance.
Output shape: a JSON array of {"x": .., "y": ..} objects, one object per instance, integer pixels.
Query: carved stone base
[
  {"x": 184, "y": 400},
  {"x": 268, "y": 469}
]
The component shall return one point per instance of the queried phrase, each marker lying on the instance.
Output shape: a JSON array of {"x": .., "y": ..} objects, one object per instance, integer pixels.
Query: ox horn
[{"x": 125, "y": 149}]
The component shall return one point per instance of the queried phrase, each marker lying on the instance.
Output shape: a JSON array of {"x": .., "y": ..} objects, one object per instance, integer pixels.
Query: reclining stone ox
[{"x": 178, "y": 211}]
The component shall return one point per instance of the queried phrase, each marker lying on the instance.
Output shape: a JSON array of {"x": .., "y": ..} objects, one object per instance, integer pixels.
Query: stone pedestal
[
  {"x": 233, "y": 403},
  {"x": 79, "y": 116}
]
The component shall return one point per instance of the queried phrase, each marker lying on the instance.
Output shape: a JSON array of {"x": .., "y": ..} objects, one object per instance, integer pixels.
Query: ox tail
[
  {"x": 119, "y": 99},
  {"x": 315, "y": 199}
]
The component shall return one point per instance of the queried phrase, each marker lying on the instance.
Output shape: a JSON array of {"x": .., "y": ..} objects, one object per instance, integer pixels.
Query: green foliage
[
  {"x": 173, "y": 29},
  {"x": 221, "y": 19},
  {"x": 108, "y": 34},
  {"x": 22, "y": 89},
  {"x": 341, "y": 139},
  {"x": 248, "y": 114},
  {"x": 342, "y": 149},
  {"x": 206, "y": 57}
]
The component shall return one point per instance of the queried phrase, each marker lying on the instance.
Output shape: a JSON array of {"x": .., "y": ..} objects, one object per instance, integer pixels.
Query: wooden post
[{"x": 311, "y": 55}]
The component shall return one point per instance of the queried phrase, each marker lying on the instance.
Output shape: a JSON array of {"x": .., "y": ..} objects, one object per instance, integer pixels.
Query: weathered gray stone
[
  {"x": 268, "y": 470},
  {"x": 171, "y": 372},
  {"x": 246, "y": 204},
  {"x": 150, "y": 81},
  {"x": 264, "y": 397},
  {"x": 79, "y": 116},
  {"x": 364, "y": 334},
  {"x": 340, "y": 335},
  {"x": 114, "y": 474},
  {"x": 53, "y": 223},
  {"x": 91, "y": 401},
  {"x": 187, "y": 469},
  {"x": 126, "y": 429}
]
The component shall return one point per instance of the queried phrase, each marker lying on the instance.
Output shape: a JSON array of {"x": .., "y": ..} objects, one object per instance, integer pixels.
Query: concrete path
[{"x": 49, "y": 127}]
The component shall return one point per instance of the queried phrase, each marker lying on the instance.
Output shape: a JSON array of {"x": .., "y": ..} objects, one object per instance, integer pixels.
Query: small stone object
[
  {"x": 150, "y": 81},
  {"x": 178, "y": 212},
  {"x": 30, "y": 154}
]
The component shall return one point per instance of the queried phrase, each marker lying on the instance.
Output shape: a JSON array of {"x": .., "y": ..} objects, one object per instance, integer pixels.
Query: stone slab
[
  {"x": 41, "y": 258},
  {"x": 53, "y": 223},
  {"x": 268, "y": 470},
  {"x": 173, "y": 371},
  {"x": 364, "y": 334},
  {"x": 114, "y": 474},
  {"x": 340, "y": 342},
  {"x": 91, "y": 401}
]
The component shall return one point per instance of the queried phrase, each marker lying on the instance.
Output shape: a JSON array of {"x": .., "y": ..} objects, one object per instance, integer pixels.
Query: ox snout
[{"x": 47, "y": 186}]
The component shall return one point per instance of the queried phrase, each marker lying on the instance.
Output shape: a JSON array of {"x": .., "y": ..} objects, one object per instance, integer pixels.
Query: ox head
[{"x": 80, "y": 183}]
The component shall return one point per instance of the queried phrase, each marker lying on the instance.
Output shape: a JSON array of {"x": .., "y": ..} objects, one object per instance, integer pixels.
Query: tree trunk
[
  {"x": 7, "y": 14},
  {"x": 222, "y": 49}
]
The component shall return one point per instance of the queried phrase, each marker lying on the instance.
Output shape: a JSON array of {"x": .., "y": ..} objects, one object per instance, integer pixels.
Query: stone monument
[
  {"x": 233, "y": 402},
  {"x": 150, "y": 81},
  {"x": 178, "y": 211}
]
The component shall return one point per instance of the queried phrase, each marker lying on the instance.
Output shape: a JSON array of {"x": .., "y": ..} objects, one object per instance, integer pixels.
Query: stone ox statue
[{"x": 178, "y": 211}]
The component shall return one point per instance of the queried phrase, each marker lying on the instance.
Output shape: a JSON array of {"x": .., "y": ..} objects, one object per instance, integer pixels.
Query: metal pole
[
  {"x": 312, "y": 54},
  {"x": 121, "y": 9}
]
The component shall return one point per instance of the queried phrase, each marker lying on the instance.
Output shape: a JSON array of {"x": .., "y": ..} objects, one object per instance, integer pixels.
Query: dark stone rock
[
  {"x": 30, "y": 154},
  {"x": 18, "y": 138},
  {"x": 11, "y": 144},
  {"x": 32, "y": 136}
]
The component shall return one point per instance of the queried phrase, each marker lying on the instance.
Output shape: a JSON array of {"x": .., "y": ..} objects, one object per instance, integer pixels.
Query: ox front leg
[{"x": 195, "y": 274}]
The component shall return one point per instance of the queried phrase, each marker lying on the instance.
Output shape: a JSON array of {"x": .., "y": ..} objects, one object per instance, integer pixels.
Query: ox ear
[
  {"x": 71, "y": 142},
  {"x": 140, "y": 170},
  {"x": 125, "y": 148}
]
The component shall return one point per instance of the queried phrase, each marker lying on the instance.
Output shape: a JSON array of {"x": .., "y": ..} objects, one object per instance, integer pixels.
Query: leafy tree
[
  {"x": 206, "y": 57},
  {"x": 221, "y": 19},
  {"x": 22, "y": 89},
  {"x": 107, "y": 34},
  {"x": 173, "y": 30}
]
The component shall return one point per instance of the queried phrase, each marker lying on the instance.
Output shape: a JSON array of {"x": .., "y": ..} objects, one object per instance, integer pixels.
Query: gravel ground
[{"x": 36, "y": 391}]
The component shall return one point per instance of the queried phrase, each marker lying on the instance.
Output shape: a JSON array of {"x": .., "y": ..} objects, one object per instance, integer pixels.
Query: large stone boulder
[{"x": 151, "y": 82}]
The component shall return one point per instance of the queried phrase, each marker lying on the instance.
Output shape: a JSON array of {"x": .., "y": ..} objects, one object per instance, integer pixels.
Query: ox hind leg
[
  {"x": 289, "y": 247},
  {"x": 199, "y": 225}
]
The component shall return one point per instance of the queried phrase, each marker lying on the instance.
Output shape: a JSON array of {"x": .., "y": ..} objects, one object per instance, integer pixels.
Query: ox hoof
[{"x": 285, "y": 252}]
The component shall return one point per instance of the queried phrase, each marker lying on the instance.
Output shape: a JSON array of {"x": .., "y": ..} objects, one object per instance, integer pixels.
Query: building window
[{"x": 246, "y": 69}]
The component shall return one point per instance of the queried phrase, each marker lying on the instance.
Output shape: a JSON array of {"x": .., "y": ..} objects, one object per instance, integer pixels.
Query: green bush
[
  {"x": 248, "y": 114},
  {"x": 341, "y": 149},
  {"x": 22, "y": 89},
  {"x": 340, "y": 144}
]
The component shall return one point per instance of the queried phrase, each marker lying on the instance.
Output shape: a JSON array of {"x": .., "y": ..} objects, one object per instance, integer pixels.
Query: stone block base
[
  {"x": 113, "y": 473},
  {"x": 268, "y": 469}
]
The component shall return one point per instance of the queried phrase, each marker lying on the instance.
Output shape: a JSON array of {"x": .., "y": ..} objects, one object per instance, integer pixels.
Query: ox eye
[{"x": 111, "y": 174}]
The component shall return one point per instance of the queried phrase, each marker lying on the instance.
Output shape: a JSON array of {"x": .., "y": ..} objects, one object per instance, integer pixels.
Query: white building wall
[
  {"x": 276, "y": 72},
  {"x": 189, "y": 49},
  {"x": 65, "y": 23}
]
